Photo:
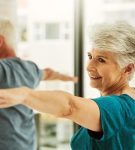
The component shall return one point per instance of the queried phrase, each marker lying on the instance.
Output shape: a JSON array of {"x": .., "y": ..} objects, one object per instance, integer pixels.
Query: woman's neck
[{"x": 116, "y": 90}]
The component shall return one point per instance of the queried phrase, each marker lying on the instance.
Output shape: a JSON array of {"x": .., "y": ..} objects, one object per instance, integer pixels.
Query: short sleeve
[
  {"x": 111, "y": 115},
  {"x": 15, "y": 72}
]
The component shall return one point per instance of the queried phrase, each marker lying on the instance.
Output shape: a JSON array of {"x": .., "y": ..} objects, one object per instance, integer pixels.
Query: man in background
[{"x": 17, "y": 125}]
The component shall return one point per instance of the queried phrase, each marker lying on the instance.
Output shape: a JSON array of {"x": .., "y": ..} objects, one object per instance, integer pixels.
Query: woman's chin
[{"x": 94, "y": 85}]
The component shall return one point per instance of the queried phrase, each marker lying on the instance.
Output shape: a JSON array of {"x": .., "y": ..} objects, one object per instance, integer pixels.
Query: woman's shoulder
[
  {"x": 106, "y": 98},
  {"x": 115, "y": 101},
  {"x": 115, "y": 97}
]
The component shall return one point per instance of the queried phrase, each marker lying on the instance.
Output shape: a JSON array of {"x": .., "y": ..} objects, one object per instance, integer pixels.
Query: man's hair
[{"x": 7, "y": 30}]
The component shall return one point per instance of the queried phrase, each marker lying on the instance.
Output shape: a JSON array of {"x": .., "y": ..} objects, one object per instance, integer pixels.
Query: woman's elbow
[
  {"x": 65, "y": 107},
  {"x": 68, "y": 109}
]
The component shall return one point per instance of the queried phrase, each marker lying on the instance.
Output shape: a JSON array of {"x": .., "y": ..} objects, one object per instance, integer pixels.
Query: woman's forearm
[{"x": 57, "y": 103}]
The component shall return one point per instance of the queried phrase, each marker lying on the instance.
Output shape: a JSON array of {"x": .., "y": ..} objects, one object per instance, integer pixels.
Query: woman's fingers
[
  {"x": 11, "y": 97},
  {"x": 6, "y": 99},
  {"x": 3, "y": 103}
]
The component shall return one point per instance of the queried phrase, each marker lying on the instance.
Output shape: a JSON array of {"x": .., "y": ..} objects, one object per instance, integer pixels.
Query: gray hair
[
  {"x": 118, "y": 38},
  {"x": 8, "y": 31}
]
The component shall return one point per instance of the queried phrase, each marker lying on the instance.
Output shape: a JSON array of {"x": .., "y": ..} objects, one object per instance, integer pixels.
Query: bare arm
[
  {"x": 61, "y": 104},
  {"x": 50, "y": 74}
]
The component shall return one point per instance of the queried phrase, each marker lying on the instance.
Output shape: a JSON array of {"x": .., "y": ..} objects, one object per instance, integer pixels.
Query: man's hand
[{"x": 50, "y": 74}]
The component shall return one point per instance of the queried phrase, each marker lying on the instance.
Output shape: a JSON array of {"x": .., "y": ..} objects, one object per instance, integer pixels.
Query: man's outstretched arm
[
  {"x": 15, "y": 72},
  {"x": 50, "y": 74}
]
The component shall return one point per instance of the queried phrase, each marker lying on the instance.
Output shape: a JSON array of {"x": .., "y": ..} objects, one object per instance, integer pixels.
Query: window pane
[{"x": 52, "y": 31}]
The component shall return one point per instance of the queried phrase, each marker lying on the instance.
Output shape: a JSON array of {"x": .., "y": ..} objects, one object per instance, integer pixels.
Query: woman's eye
[
  {"x": 101, "y": 60},
  {"x": 90, "y": 57}
]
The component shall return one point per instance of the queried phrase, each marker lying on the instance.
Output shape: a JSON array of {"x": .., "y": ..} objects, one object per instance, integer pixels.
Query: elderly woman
[{"x": 108, "y": 122}]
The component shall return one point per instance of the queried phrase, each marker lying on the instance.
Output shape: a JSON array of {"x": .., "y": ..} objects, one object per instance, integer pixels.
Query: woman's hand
[{"x": 11, "y": 97}]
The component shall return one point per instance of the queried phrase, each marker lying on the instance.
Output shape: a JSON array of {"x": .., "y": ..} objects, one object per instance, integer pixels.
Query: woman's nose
[{"x": 91, "y": 66}]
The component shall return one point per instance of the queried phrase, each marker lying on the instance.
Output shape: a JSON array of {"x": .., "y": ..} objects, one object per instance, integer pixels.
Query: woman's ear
[
  {"x": 1, "y": 40},
  {"x": 129, "y": 68}
]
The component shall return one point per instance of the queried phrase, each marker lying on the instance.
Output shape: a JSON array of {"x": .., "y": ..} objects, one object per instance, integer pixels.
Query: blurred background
[{"x": 54, "y": 33}]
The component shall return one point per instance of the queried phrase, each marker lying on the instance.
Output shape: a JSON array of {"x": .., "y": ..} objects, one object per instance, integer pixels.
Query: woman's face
[{"x": 103, "y": 70}]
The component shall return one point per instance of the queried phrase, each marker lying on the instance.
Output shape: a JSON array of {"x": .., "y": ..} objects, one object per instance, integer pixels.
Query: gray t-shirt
[{"x": 17, "y": 126}]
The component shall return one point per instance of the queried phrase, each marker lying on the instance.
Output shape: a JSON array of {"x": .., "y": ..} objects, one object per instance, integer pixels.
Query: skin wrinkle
[
  {"x": 115, "y": 88},
  {"x": 71, "y": 110}
]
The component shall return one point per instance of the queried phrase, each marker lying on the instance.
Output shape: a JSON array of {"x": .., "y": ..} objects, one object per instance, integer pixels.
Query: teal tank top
[{"x": 117, "y": 115}]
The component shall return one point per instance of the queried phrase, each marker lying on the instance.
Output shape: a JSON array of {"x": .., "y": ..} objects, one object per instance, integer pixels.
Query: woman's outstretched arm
[{"x": 83, "y": 111}]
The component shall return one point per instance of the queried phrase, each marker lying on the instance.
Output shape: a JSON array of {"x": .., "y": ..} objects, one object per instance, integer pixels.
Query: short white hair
[
  {"x": 118, "y": 38},
  {"x": 7, "y": 30}
]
